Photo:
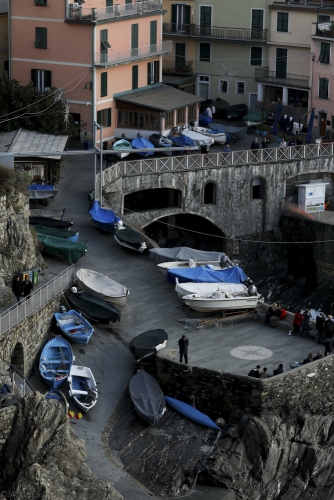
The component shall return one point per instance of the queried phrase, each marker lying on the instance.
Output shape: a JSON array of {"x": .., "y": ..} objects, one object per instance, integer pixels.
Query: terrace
[
  {"x": 78, "y": 13},
  {"x": 214, "y": 32}
]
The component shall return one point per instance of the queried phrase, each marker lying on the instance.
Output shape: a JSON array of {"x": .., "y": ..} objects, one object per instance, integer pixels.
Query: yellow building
[{"x": 3, "y": 36}]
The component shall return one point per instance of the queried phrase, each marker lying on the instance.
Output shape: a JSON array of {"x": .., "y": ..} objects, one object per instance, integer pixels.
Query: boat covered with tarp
[
  {"x": 192, "y": 413},
  {"x": 131, "y": 239},
  {"x": 100, "y": 285},
  {"x": 198, "y": 138},
  {"x": 147, "y": 397},
  {"x": 181, "y": 140},
  {"x": 103, "y": 218},
  {"x": 255, "y": 118},
  {"x": 218, "y": 135},
  {"x": 142, "y": 143},
  {"x": 203, "y": 275},
  {"x": 71, "y": 251},
  {"x": 160, "y": 141},
  {"x": 184, "y": 254},
  {"x": 183, "y": 289},
  {"x": 50, "y": 222},
  {"x": 121, "y": 148},
  {"x": 41, "y": 192},
  {"x": 65, "y": 234},
  {"x": 53, "y": 214},
  {"x": 93, "y": 308},
  {"x": 148, "y": 343},
  {"x": 56, "y": 361},
  {"x": 235, "y": 133}
]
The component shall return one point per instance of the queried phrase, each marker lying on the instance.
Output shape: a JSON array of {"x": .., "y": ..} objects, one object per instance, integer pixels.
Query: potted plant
[
  {"x": 299, "y": 140},
  {"x": 88, "y": 141}
]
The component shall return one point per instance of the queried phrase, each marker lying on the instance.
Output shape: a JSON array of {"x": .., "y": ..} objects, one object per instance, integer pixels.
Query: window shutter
[
  {"x": 204, "y": 51},
  {"x": 104, "y": 84},
  {"x": 174, "y": 13},
  {"x": 187, "y": 15},
  {"x": 104, "y": 39},
  {"x": 256, "y": 56},
  {"x": 323, "y": 88},
  {"x": 109, "y": 118},
  {"x": 47, "y": 79},
  {"x": 134, "y": 36},
  {"x": 110, "y": 3},
  {"x": 324, "y": 53},
  {"x": 153, "y": 33},
  {"x": 34, "y": 77},
  {"x": 98, "y": 117},
  {"x": 156, "y": 71},
  {"x": 134, "y": 77},
  {"x": 149, "y": 73},
  {"x": 41, "y": 38}
]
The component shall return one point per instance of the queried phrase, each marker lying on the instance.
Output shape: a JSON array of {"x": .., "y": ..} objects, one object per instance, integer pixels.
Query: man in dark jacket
[
  {"x": 318, "y": 356},
  {"x": 255, "y": 372},
  {"x": 320, "y": 326},
  {"x": 306, "y": 324},
  {"x": 329, "y": 327},
  {"x": 183, "y": 349},
  {"x": 255, "y": 144},
  {"x": 17, "y": 288},
  {"x": 278, "y": 370},
  {"x": 27, "y": 287}
]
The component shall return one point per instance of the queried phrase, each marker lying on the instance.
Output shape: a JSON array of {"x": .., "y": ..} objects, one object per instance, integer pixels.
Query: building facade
[{"x": 3, "y": 36}]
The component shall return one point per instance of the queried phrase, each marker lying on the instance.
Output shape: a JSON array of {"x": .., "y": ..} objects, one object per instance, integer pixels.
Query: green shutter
[
  {"x": 156, "y": 71},
  {"x": 180, "y": 55},
  {"x": 47, "y": 79},
  {"x": 256, "y": 56},
  {"x": 153, "y": 36},
  {"x": 109, "y": 118},
  {"x": 134, "y": 39},
  {"x": 134, "y": 77},
  {"x": 323, "y": 88},
  {"x": 104, "y": 39},
  {"x": 98, "y": 117},
  {"x": 205, "y": 16},
  {"x": 204, "y": 51},
  {"x": 257, "y": 19},
  {"x": 110, "y": 3},
  {"x": 104, "y": 84},
  {"x": 149, "y": 73},
  {"x": 187, "y": 15},
  {"x": 34, "y": 77},
  {"x": 174, "y": 17},
  {"x": 281, "y": 62},
  {"x": 324, "y": 56},
  {"x": 41, "y": 38},
  {"x": 282, "y": 21}
]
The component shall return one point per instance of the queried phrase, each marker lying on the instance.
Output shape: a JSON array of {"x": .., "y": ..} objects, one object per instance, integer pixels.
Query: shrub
[{"x": 13, "y": 181}]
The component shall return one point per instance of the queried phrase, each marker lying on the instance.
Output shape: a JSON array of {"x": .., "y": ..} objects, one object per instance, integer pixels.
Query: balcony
[
  {"x": 263, "y": 75},
  {"x": 325, "y": 30},
  {"x": 197, "y": 31},
  {"x": 131, "y": 55},
  {"x": 304, "y": 3},
  {"x": 78, "y": 13},
  {"x": 183, "y": 68}
]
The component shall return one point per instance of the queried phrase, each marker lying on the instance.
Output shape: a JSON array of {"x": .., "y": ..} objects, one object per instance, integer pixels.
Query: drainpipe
[
  {"x": 93, "y": 101},
  {"x": 10, "y": 38},
  {"x": 311, "y": 81}
]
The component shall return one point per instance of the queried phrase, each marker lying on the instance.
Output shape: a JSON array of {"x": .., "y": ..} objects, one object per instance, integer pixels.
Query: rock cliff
[{"x": 43, "y": 458}]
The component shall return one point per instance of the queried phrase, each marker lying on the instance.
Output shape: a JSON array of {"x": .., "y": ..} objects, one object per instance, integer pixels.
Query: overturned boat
[
  {"x": 131, "y": 239},
  {"x": 140, "y": 143},
  {"x": 148, "y": 343},
  {"x": 100, "y": 285},
  {"x": 147, "y": 397},
  {"x": 103, "y": 218},
  {"x": 41, "y": 193},
  {"x": 192, "y": 413},
  {"x": 50, "y": 222},
  {"x": 94, "y": 308}
]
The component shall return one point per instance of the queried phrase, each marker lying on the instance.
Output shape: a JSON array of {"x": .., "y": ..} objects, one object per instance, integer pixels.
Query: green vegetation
[{"x": 13, "y": 181}]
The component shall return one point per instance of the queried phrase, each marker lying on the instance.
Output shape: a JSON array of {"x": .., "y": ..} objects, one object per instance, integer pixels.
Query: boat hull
[
  {"x": 228, "y": 304},
  {"x": 148, "y": 343},
  {"x": 219, "y": 138},
  {"x": 192, "y": 413},
  {"x": 74, "y": 327},
  {"x": 98, "y": 284},
  {"x": 55, "y": 362},
  {"x": 83, "y": 388},
  {"x": 147, "y": 397},
  {"x": 164, "y": 267},
  {"x": 94, "y": 308}
]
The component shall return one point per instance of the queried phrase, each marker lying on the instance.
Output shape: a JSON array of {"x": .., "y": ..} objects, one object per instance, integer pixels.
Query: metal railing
[
  {"x": 115, "y": 12},
  {"x": 310, "y": 213},
  {"x": 267, "y": 76},
  {"x": 307, "y": 3},
  {"x": 17, "y": 313},
  {"x": 146, "y": 52},
  {"x": 325, "y": 30},
  {"x": 24, "y": 387},
  {"x": 183, "y": 67},
  {"x": 196, "y": 30}
]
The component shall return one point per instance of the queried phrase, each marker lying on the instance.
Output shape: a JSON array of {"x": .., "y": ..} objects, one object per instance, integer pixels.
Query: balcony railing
[
  {"x": 265, "y": 76},
  {"x": 177, "y": 68},
  {"x": 325, "y": 30},
  {"x": 198, "y": 31},
  {"x": 146, "y": 52},
  {"x": 306, "y": 3},
  {"x": 115, "y": 12}
]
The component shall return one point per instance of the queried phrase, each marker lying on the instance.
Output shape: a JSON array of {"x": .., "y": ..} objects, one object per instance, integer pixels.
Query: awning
[
  {"x": 28, "y": 141},
  {"x": 177, "y": 80},
  {"x": 161, "y": 97}
]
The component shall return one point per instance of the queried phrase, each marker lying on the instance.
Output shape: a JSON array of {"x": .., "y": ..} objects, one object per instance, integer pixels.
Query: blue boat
[
  {"x": 203, "y": 275},
  {"x": 74, "y": 327},
  {"x": 55, "y": 362},
  {"x": 191, "y": 413},
  {"x": 103, "y": 219},
  {"x": 54, "y": 395},
  {"x": 140, "y": 143}
]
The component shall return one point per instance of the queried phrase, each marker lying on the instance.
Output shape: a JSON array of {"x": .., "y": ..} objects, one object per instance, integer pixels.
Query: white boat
[
  {"x": 198, "y": 139},
  {"x": 220, "y": 301},
  {"x": 190, "y": 288},
  {"x": 166, "y": 266},
  {"x": 120, "y": 148},
  {"x": 101, "y": 286},
  {"x": 83, "y": 388},
  {"x": 184, "y": 254},
  {"x": 218, "y": 137}
]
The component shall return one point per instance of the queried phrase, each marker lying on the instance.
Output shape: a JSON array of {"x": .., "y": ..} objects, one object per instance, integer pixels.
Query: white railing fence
[{"x": 19, "y": 312}]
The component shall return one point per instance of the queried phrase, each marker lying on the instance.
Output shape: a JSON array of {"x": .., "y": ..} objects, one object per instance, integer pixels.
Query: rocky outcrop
[{"x": 43, "y": 457}]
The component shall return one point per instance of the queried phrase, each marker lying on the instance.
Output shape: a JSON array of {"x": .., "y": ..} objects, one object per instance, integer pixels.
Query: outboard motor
[
  {"x": 252, "y": 290},
  {"x": 74, "y": 289},
  {"x": 225, "y": 262},
  {"x": 62, "y": 310},
  {"x": 192, "y": 263}
]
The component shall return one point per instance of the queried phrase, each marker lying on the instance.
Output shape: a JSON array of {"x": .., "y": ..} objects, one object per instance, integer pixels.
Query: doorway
[
  {"x": 180, "y": 55},
  {"x": 322, "y": 124},
  {"x": 203, "y": 87},
  {"x": 252, "y": 102},
  {"x": 281, "y": 62}
]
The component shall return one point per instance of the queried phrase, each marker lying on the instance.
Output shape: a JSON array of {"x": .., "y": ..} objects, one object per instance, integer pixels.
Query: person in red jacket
[{"x": 297, "y": 321}]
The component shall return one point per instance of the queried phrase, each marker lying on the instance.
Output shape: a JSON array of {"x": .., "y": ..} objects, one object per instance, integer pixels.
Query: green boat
[
  {"x": 65, "y": 234},
  {"x": 71, "y": 251}
]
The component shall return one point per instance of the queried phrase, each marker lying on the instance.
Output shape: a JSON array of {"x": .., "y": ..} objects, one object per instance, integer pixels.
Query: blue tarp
[
  {"x": 103, "y": 218},
  {"x": 182, "y": 140},
  {"x": 309, "y": 128},
  {"x": 202, "y": 275},
  {"x": 203, "y": 120},
  {"x": 141, "y": 143},
  {"x": 41, "y": 187}
]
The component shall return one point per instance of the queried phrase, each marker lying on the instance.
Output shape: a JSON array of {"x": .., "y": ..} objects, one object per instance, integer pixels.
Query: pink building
[
  {"x": 322, "y": 86},
  {"x": 105, "y": 58}
]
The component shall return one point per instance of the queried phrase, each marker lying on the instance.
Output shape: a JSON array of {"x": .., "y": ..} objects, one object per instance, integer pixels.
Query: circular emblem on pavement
[{"x": 251, "y": 352}]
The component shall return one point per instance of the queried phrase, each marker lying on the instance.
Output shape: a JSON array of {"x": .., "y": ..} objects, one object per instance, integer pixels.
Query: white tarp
[
  {"x": 100, "y": 285},
  {"x": 184, "y": 254},
  {"x": 183, "y": 289}
]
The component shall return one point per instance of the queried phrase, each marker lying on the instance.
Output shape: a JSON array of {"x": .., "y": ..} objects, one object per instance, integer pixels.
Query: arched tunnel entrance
[
  {"x": 17, "y": 358},
  {"x": 152, "y": 199},
  {"x": 183, "y": 230}
]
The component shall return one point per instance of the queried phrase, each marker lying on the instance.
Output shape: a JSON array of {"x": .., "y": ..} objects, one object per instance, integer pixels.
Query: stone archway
[{"x": 17, "y": 358}]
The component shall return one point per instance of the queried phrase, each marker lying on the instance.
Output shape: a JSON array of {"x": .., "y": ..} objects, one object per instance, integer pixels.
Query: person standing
[
  {"x": 27, "y": 287},
  {"x": 297, "y": 321},
  {"x": 183, "y": 348},
  {"x": 255, "y": 144},
  {"x": 306, "y": 324},
  {"x": 91, "y": 198},
  {"x": 320, "y": 326},
  {"x": 329, "y": 330},
  {"x": 17, "y": 288}
]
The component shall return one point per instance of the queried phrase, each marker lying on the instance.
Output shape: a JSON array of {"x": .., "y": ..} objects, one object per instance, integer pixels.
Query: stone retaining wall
[
  {"x": 7, "y": 416},
  {"x": 308, "y": 388}
]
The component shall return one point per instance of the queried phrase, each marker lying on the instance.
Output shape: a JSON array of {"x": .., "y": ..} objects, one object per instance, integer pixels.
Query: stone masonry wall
[
  {"x": 30, "y": 333},
  {"x": 308, "y": 388},
  {"x": 7, "y": 416}
]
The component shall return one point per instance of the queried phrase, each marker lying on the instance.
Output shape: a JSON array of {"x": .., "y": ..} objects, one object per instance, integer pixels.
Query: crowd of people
[{"x": 256, "y": 372}]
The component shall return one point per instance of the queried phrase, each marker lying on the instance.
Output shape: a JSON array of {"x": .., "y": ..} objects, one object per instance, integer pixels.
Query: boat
[
  {"x": 181, "y": 140},
  {"x": 56, "y": 361},
  {"x": 183, "y": 289},
  {"x": 148, "y": 343},
  {"x": 235, "y": 111},
  {"x": 140, "y": 143},
  {"x": 202, "y": 275},
  {"x": 235, "y": 133},
  {"x": 71, "y": 251},
  {"x": 41, "y": 193},
  {"x": 147, "y": 397},
  {"x": 184, "y": 254},
  {"x": 100, "y": 285},
  {"x": 52, "y": 214},
  {"x": 131, "y": 239},
  {"x": 255, "y": 118},
  {"x": 83, "y": 388},
  {"x": 221, "y": 301},
  {"x": 50, "y": 222},
  {"x": 164, "y": 267},
  {"x": 159, "y": 141},
  {"x": 56, "y": 396},
  {"x": 204, "y": 120},
  {"x": 65, "y": 234},
  {"x": 93, "y": 308},
  {"x": 192, "y": 413},
  {"x": 198, "y": 139},
  {"x": 103, "y": 218},
  {"x": 120, "y": 148},
  {"x": 74, "y": 327},
  {"x": 218, "y": 135}
]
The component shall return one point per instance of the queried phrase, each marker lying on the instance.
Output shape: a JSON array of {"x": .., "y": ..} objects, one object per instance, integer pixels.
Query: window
[
  {"x": 180, "y": 115},
  {"x": 134, "y": 77},
  {"x": 104, "y": 84},
  {"x": 210, "y": 193},
  {"x": 324, "y": 19},
  {"x": 153, "y": 72},
  {"x": 104, "y": 117},
  {"x": 323, "y": 88},
  {"x": 282, "y": 21},
  {"x": 241, "y": 88},
  {"x": 205, "y": 16},
  {"x": 180, "y": 18},
  {"x": 257, "y": 24},
  {"x": 40, "y": 2},
  {"x": 257, "y": 192},
  {"x": 223, "y": 87},
  {"x": 134, "y": 39},
  {"x": 324, "y": 56},
  {"x": 205, "y": 52},
  {"x": 135, "y": 119},
  {"x": 153, "y": 36},
  {"x": 110, "y": 3},
  {"x": 41, "y": 38},
  {"x": 104, "y": 46},
  {"x": 169, "y": 120},
  {"x": 41, "y": 79},
  {"x": 256, "y": 56},
  {"x": 192, "y": 112}
]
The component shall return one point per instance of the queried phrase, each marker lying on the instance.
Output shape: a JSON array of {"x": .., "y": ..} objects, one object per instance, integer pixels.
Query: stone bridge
[{"x": 248, "y": 186}]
